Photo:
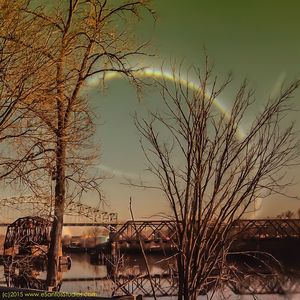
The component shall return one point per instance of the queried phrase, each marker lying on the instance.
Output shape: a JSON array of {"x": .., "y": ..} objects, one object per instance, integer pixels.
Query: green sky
[{"x": 254, "y": 39}]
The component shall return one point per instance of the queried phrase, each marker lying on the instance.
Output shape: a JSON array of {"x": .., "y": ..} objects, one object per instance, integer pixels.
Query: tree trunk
[
  {"x": 181, "y": 276},
  {"x": 55, "y": 250},
  {"x": 186, "y": 281},
  {"x": 193, "y": 295}
]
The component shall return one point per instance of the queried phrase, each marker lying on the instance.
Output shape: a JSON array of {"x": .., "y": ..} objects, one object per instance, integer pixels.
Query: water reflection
[
  {"x": 24, "y": 273},
  {"x": 127, "y": 274},
  {"x": 30, "y": 272}
]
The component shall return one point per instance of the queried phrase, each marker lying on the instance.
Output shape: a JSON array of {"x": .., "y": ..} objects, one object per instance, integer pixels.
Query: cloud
[{"x": 118, "y": 173}]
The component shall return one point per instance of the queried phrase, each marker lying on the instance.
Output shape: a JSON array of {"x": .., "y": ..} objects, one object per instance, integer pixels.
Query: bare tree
[
  {"x": 19, "y": 83},
  {"x": 210, "y": 171},
  {"x": 78, "y": 40},
  {"x": 286, "y": 215}
]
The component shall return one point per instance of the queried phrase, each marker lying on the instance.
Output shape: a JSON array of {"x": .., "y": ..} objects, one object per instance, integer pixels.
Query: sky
[{"x": 257, "y": 40}]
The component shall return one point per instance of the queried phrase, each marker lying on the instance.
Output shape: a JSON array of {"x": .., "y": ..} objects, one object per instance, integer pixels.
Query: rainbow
[
  {"x": 170, "y": 76},
  {"x": 165, "y": 75}
]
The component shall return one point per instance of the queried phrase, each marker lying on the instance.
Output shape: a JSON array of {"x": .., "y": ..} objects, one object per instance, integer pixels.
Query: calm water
[{"x": 88, "y": 276}]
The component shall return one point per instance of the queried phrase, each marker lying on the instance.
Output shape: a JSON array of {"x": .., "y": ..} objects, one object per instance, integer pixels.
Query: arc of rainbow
[{"x": 169, "y": 76}]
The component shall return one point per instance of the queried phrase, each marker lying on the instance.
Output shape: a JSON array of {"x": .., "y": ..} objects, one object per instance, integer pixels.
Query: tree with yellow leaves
[{"x": 75, "y": 40}]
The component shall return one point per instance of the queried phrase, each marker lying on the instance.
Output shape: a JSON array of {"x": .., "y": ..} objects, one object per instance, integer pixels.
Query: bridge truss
[
  {"x": 147, "y": 230},
  {"x": 267, "y": 229},
  {"x": 30, "y": 205},
  {"x": 162, "y": 233},
  {"x": 242, "y": 229}
]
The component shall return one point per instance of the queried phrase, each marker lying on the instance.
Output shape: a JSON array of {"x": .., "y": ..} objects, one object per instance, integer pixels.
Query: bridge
[
  {"x": 77, "y": 213},
  {"x": 161, "y": 234},
  {"x": 80, "y": 214},
  {"x": 245, "y": 229},
  {"x": 267, "y": 229},
  {"x": 154, "y": 234}
]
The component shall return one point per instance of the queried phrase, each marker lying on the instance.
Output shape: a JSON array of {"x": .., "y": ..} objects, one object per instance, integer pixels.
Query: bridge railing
[
  {"x": 30, "y": 205},
  {"x": 147, "y": 230},
  {"x": 267, "y": 228},
  {"x": 241, "y": 229}
]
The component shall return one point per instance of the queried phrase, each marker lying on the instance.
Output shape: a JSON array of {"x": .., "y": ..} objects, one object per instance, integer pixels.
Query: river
[{"x": 87, "y": 275}]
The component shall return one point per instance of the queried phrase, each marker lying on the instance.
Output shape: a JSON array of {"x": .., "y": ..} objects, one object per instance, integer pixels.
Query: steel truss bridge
[
  {"x": 80, "y": 214},
  {"x": 77, "y": 214},
  {"x": 267, "y": 228},
  {"x": 147, "y": 230},
  {"x": 164, "y": 230}
]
